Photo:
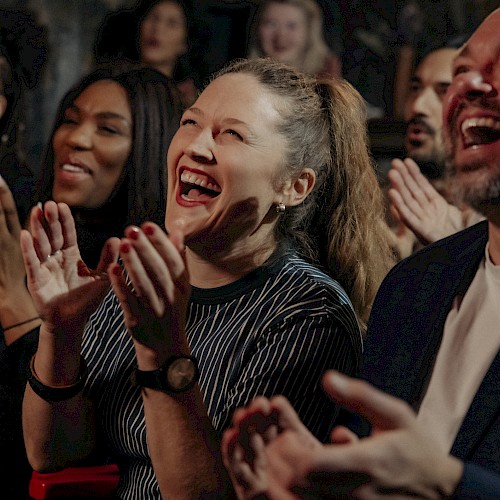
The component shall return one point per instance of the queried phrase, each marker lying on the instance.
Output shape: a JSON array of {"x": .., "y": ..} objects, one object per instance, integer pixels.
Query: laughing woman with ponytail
[{"x": 247, "y": 294}]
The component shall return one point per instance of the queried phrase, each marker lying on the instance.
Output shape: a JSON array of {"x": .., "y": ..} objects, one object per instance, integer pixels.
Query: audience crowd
[{"x": 209, "y": 282}]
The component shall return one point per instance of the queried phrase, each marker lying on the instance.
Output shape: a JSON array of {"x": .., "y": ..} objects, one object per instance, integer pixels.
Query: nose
[
  {"x": 80, "y": 137},
  {"x": 425, "y": 102},
  {"x": 471, "y": 86},
  {"x": 280, "y": 33},
  {"x": 201, "y": 147},
  {"x": 156, "y": 24}
]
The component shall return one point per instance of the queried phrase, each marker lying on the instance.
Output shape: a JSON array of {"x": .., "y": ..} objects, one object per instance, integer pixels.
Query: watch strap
[{"x": 158, "y": 379}]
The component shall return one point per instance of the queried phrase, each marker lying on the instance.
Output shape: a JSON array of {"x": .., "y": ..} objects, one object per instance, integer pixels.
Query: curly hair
[{"x": 340, "y": 224}]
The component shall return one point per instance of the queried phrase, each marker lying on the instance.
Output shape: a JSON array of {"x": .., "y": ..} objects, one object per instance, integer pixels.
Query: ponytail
[{"x": 351, "y": 213}]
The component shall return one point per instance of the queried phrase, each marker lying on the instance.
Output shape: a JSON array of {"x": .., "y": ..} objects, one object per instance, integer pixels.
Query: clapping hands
[
  {"x": 64, "y": 290},
  {"x": 420, "y": 207},
  {"x": 155, "y": 296},
  {"x": 270, "y": 454}
]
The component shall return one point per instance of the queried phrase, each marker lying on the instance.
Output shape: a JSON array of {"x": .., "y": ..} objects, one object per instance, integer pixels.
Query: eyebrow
[
  {"x": 106, "y": 115},
  {"x": 445, "y": 83},
  {"x": 196, "y": 111},
  {"x": 226, "y": 121}
]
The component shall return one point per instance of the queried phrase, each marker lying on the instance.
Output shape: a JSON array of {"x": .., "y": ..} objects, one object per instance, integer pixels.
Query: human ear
[
  {"x": 3, "y": 105},
  {"x": 297, "y": 190}
]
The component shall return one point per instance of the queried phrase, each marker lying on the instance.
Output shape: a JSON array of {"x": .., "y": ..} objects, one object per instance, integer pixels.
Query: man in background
[{"x": 422, "y": 209}]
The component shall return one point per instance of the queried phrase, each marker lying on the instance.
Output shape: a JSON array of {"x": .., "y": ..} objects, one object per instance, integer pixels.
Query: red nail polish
[
  {"x": 133, "y": 233},
  {"x": 125, "y": 248},
  {"x": 149, "y": 230},
  {"x": 117, "y": 270}
]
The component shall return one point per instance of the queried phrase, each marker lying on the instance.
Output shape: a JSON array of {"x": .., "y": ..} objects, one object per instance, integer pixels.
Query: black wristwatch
[{"x": 177, "y": 374}]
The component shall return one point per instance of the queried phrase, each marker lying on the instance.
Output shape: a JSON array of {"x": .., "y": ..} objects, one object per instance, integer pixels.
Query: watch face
[{"x": 181, "y": 373}]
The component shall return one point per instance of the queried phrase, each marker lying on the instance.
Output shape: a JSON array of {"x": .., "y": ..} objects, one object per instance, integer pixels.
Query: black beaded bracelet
[{"x": 61, "y": 393}]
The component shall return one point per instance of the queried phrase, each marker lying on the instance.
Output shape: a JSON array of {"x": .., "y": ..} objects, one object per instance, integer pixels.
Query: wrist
[
  {"x": 15, "y": 331},
  {"x": 450, "y": 476},
  {"x": 178, "y": 374},
  {"x": 152, "y": 359},
  {"x": 54, "y": 370},
  {"x": 16, "y": 308},
  {"x": 59, "y": 392},
  {"x": 66, "y": 337},
  {"x": 57, "y": 359}
]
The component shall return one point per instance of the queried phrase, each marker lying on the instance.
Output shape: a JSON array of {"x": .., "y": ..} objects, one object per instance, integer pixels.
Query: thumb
[
  {"x": 385, "y": 412},
  {"x": 177, "y": 238},
  {"x": 343, "y": 435},
  {"x": 109, "y": 254}
]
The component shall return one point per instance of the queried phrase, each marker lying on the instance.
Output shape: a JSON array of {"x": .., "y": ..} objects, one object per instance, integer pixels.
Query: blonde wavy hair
[
  {"x": 341, "y": 224},
  {"x": 316, "y": 52}
]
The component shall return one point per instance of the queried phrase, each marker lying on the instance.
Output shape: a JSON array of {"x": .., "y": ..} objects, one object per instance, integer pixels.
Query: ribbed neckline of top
[{"x": 253, "y": 280}]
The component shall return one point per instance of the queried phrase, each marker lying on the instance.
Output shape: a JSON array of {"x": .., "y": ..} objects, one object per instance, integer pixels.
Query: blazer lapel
[{"x": 451, "y": 275}]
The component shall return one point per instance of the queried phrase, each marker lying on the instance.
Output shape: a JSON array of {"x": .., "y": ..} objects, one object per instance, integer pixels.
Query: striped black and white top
[{"x": 274, "y": 331}]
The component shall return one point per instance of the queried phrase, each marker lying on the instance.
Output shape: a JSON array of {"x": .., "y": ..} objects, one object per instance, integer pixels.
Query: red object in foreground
[{"x": 75, "y": 482}]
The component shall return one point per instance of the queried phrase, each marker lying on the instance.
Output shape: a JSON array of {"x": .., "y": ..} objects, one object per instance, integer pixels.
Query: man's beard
[
  {"x": 478, "y": 188},
  {"x": 476, "y": 184},
  {"x": 431, "y": 162}
]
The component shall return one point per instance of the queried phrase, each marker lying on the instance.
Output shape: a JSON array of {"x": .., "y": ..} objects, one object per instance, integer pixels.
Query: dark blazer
[{"x": 404, "y": 335}]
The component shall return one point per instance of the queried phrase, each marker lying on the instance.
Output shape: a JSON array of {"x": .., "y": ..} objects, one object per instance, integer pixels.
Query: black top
[{"x": 15, "y": 471}]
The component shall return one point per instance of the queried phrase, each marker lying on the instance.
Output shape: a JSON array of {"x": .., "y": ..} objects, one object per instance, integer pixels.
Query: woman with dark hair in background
[
  {"x": 106, "y": 160},
  {"x": 138, "y": 193},
  {"x": 159, "y": 34}
]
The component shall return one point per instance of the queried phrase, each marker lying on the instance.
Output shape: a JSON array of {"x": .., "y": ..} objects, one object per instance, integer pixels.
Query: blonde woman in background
[{"x": 291, "y": 31}]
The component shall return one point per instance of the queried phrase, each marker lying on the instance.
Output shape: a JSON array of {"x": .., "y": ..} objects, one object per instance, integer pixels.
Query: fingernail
[
  {"x": 125, "y": 248},
  {"x": 133, "y": 233},
  {"x": 149, "y": 230},
  {"x": 117, "y": 270}
]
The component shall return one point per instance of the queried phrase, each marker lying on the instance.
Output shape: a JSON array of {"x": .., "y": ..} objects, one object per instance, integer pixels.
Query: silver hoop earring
[{"x": 280, "y": 208}]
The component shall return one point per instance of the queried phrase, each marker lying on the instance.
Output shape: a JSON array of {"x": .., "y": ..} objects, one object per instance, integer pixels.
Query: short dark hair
[{"x": 454, "y": 42}]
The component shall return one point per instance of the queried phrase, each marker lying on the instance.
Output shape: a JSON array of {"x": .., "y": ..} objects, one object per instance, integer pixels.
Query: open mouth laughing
[
  {"x": 479, "y": 131},
  {"x": 196, "y": 186},
  {"x": 75, "y": 169}
]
